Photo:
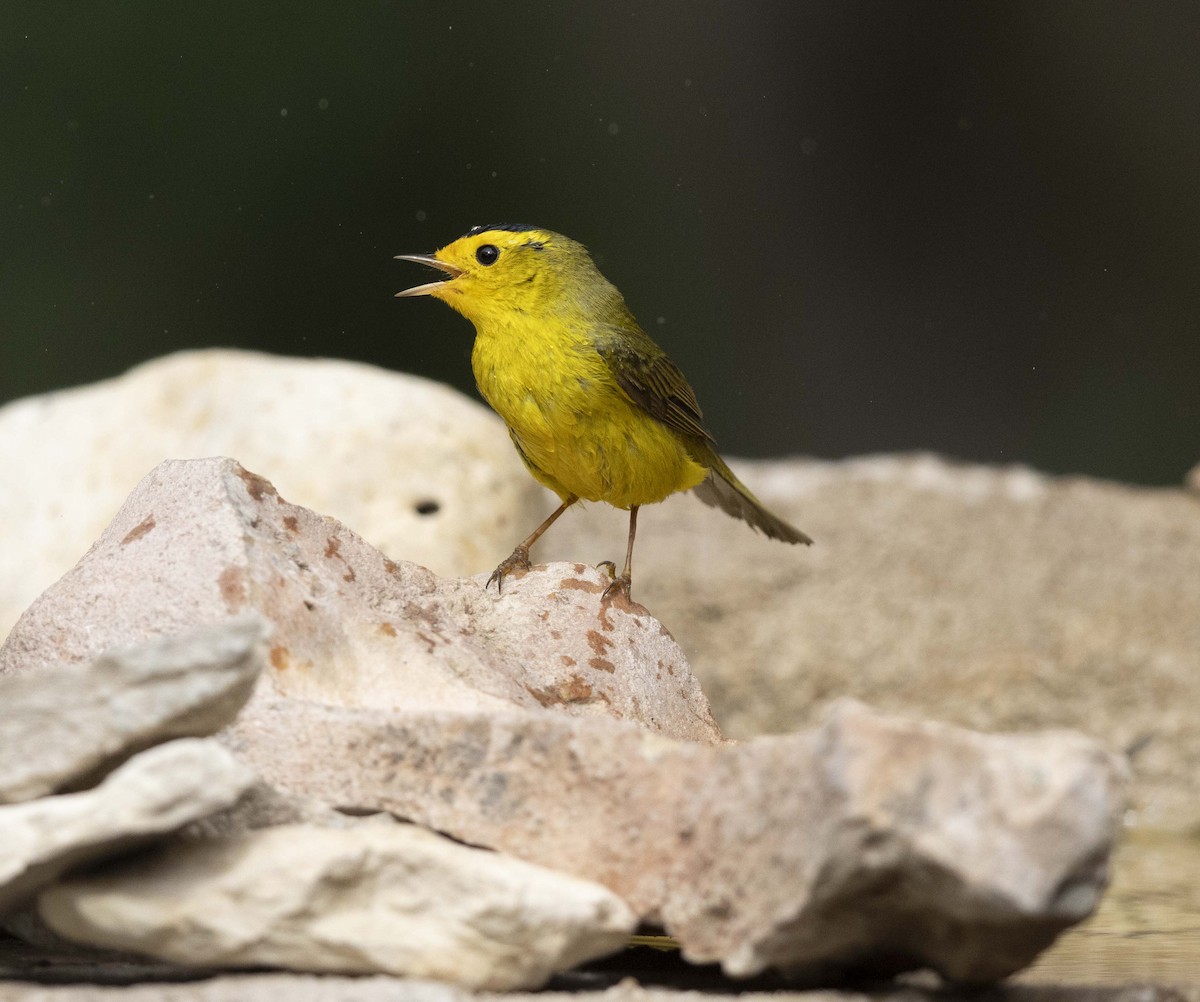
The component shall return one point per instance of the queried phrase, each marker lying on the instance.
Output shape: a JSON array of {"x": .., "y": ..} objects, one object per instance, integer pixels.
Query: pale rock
[
  {"x": 996, "y": 598},
  {"x": 60, "y": 728},
  {"x": 395, "y": 899},
  {"x": 872, "y": 843},
  {"x": 420, "y": 470},
  {"x": 201, "y": 541},
  {"x": 259, "y": 806},
  {"x": 272, "y": 986},
  {"x": 265, "y": 806},
  {"x": 154, "y": 793}
]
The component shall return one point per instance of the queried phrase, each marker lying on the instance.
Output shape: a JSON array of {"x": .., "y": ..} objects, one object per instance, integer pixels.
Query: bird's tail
[{"x": 721, "y": 489}]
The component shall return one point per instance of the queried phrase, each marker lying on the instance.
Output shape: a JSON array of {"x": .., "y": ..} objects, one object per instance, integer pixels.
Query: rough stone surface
[
  {"x": 200, "y": 541},
  {"x": 264, "y": 806},
  {"x": 998, "y": 598},
  {"x": 259, "y": 806},
  {"x": 995, "y": 598},
  {"x": 871, "y": 843},
  {"x": 417, "y": 468},
  {"x": 270, "y": 987},
  {"x": 156, "y": 792},
  {"x": 66, "y": 725},
  {"x": 491, "y": 718},
  {"x": 383, "y": 899}
]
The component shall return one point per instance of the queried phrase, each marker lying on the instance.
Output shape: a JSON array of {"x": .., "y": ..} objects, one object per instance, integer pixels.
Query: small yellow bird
[{"x": 594, "y": 407}]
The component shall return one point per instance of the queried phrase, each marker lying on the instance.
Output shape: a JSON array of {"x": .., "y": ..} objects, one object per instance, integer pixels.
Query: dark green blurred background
[{"x": 858, "y": 227}]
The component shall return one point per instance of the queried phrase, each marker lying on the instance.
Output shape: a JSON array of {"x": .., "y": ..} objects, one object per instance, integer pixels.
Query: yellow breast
[{"x": 576, "y": 430}]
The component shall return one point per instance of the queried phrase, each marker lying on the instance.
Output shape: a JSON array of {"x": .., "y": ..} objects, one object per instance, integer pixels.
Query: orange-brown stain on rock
[
  {"x": 602, "y": 664},
  {"x": 232, "y": 583},
  {"x": 257, "y": 487},
  {"x": 566, "y": 659},
  {"x": 280, "y": 658},
  {"x": 387, "y": 629},
  {"x": 574, "y": 690},
  {"x": 599, "y": 644},
  {"x": 543, "y": 696},
  {"x": 578, "y": 584},
  {"x": 291, "y": 523},
  {"x": 555, "y": 635},
  {"x": 333, "y": 551},
  {"x": 390, "y": 566},
  {"x": 139, "y": 530},
  {"x": 618, "y": 600}
]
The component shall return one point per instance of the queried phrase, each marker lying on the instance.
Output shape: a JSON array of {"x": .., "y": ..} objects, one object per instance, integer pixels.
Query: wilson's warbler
[{"x": 594, "y": 407}]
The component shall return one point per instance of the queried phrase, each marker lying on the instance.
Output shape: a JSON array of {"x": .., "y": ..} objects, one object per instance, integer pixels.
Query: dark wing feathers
[
  {"x": 651, "y": 380},
  {"x": 654, "y": 383}
]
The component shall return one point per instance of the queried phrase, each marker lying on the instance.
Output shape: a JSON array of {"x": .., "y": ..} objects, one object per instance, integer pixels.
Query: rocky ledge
[{"x": 371, "y": 717}]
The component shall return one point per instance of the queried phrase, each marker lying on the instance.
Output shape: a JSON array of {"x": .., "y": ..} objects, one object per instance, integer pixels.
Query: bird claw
[
  {"x": 620, "y": 586},
  {"x": 518, "y": 560}
]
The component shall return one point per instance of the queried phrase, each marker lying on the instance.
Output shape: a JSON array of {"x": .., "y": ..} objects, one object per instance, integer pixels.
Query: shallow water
[{"x": 1148, "y": 925}]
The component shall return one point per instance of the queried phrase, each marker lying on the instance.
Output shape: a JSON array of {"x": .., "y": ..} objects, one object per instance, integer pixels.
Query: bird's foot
[
  {"x": 609, "y": 567},
  {"x": 619, "y": 588},
  {"x": 518, "y": 560}
]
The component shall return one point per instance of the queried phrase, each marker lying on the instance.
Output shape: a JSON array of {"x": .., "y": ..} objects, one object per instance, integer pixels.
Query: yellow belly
[{"x": 574, "y": 427}]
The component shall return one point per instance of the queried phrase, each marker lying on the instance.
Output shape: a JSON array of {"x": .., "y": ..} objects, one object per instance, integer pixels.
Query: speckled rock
[
  {"x": 202, "y": 541},
  {"x": 871, "y": 844},
  {"x": 556, "y": 726},
  {"x": 995, "y": 598},
  {"x": 417, "y": 468}
]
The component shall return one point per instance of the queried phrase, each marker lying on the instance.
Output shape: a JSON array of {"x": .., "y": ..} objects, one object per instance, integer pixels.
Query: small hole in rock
[{"x": 428, "y": 507}]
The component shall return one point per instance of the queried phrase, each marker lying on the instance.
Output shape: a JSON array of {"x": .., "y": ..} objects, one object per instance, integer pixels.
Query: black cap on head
[{"x": 510, "y": 227}]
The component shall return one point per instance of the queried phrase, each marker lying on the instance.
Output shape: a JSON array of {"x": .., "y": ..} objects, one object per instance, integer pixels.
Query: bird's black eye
[{"x": 487, "y": 254}]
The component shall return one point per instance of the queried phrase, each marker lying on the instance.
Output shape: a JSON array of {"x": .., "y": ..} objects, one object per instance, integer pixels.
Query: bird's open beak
[{"x": 432, "y": 262}]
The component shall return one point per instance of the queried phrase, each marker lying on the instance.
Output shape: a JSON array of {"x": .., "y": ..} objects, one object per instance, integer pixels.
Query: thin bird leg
[
  {"x": 622, "y": 584},
  {"x": 518, "y": 560}
]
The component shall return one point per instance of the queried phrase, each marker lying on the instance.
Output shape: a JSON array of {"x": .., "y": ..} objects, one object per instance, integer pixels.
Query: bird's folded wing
[{"x": 646, "y": 375}]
